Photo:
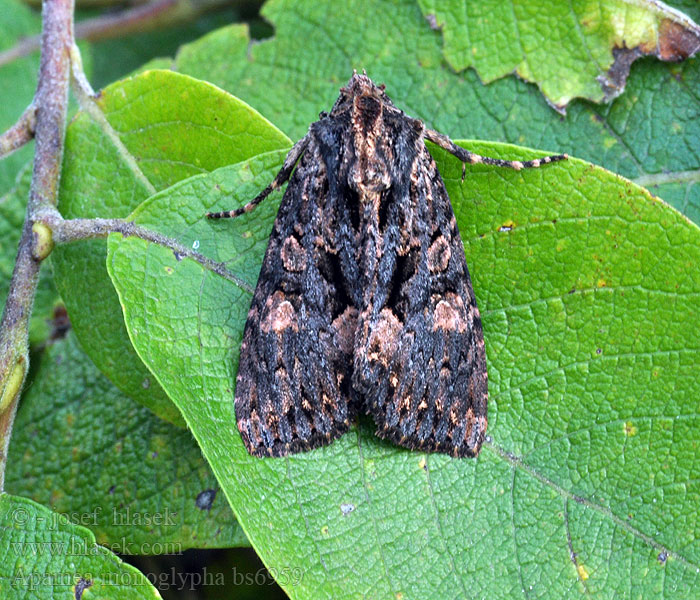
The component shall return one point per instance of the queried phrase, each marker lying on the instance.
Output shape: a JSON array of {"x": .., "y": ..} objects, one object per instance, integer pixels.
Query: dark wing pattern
[
  {"x": 419, "y": 355},
  {"x": 364, "y": 298},
  {"x": 293, "y": 390}
]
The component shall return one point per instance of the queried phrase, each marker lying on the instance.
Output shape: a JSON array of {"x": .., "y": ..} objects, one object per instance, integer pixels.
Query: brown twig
[
  {"x": 139, "y": 18},
  {"x": 20, "y": 133},
  {"x": 72, "y": 230},
  {"x": 82, "y": 4},
  {"x": 145, "y": 17},
  {"x": 51, "y": 102}
]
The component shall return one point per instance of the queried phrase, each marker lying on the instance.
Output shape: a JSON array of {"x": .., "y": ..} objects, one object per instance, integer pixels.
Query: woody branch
[{"x": 49, "y": 106}]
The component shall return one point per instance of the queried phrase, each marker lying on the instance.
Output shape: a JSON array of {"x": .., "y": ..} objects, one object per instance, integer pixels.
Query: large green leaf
[
  {"x": 45, "y": 555},
  {"x": 162, "y": 127},
  {"x": 150, "y": 490},
  {"x": 588, "y": 484},
  {"x": 651, "y": 132},
  {"x": 569, "y": 49}
]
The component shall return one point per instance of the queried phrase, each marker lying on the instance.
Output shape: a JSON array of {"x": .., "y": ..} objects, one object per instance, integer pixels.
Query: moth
[{"x": 364, "y": 301}]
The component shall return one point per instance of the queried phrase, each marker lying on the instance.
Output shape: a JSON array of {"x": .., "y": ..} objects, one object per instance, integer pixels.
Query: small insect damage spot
[
  {"x": 582, "y": 572},
  {"x": 662, "y": 557},
  {"x": 629, "y": 429},
  {"x": 432, "y": 21},
  {"x": 676, "y": 41},
  {"x": 346, "y": 508},
  {"x": 80, "y": 587},
  {"x": 205, "y": 499},
  {"x": 507, "y": 226}
]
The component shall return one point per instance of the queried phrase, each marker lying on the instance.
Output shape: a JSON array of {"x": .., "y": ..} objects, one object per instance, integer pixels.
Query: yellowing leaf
[{"x": 569, "y": 49}]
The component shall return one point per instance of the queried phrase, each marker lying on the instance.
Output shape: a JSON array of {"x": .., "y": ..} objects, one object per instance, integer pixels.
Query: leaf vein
[{"x": 517, "y": 463}]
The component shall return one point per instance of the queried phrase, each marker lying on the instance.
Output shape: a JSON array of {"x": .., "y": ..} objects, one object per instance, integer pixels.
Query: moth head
[{"x": 360, "y": 86}]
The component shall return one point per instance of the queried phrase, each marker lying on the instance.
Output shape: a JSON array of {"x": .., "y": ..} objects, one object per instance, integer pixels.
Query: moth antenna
[
  {"x": 282, "y": 177},
  {"x": 474, "y": 159}
]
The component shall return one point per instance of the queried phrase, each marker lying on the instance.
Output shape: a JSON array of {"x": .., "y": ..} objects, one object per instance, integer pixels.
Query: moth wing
[
  {"x": 420, "y": 358},
  {"x": 293, "y": 389}
]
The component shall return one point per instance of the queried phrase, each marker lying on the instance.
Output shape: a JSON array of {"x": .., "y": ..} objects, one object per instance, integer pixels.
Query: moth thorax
[
  {"x": 369, "y": 173},
  {"x": 370, "y": 178},
  {"x": 367, "y": 114}
]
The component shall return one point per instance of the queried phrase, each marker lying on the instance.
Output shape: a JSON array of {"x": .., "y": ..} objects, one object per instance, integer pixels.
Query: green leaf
[
  {"x": 588, "y": 483},
  {"x": 16, "y": 22},
  {"x": 12, "y": 210},
  {"x": 46, "y": 556},
  {"x": 689, "y": 7},
  {"x": 118, "y": 57},
  {"x": 162, "y": 127},
  {"x": 569, "y": 49},
  {"x": 150, "y": 491},
  {"x": 652, "y": 130}
]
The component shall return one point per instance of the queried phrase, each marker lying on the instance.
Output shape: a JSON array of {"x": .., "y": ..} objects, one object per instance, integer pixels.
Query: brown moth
[{"x": 364, "y": 302}]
